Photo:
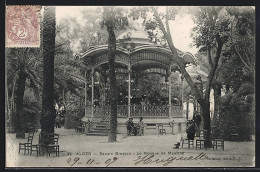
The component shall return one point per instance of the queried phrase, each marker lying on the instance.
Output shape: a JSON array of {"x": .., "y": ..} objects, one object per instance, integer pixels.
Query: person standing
[
  {"x": 197, "y": 120},
  {"x": 140, "y": 127},
  {"x": 57, "y": 121}
]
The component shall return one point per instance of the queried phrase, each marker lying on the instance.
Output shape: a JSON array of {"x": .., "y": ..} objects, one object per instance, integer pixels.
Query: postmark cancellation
[{"x": 23, "y": 26}]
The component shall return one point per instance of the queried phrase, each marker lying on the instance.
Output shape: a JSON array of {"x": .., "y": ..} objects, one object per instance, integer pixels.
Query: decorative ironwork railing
[
  {"x": 149, "y": 110},
  {"x": 101, "y": 111},
  {"x": 177, "y": 111},
  {"x": 122, "y": 110},
  {"x": 139, "y": 111}
]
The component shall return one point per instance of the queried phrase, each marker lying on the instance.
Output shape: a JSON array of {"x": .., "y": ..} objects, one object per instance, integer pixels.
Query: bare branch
[
  {"x": 167, "y": 21},
  {"x": 247, "y": 51},
  {"x": 241, "y": 58},
  {"x": 176, "y": 57},
  {"x": 209, "y": 56},
  {"x": 215, "y": 65}
]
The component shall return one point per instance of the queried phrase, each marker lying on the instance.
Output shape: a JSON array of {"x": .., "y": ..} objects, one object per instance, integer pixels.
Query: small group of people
[
  {"x": 133, "y": 129},
  {"x": 59, "y": 120},
  {"x": 192, "y": 131}
]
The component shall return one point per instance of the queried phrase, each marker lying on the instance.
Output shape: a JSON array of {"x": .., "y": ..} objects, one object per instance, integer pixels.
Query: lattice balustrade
[
  {"x": 177, "y": 111},
  {"x": 157, "y": 110},
  {"x": 122, "y": 110},
  {"x": 101, "y": 111},
  {"x": 138, "y": 111},
  {"x": 148, "y": 110}
]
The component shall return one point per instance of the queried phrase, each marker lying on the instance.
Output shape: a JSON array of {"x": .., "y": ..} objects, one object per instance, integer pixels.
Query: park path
[{"x": 79, "y": 150}]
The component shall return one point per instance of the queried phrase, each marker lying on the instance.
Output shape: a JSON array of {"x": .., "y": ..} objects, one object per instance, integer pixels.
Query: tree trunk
[
  {"x": 12, "y": 109},
  {"x": 112, "y": 76},
  {"x": 217, "y": 94},
  {"x": 19, "y": 128},
  {"x": 206, "y": 123},
  {"x": 7, "y": 107},
  {"x": 194, "y": 105},
  {"x": 48, "y": 111},
  {"x": 187, "y": 108}
]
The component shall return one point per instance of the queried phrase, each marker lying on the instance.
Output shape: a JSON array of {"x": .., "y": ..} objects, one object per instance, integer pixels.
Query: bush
[
  {"x": 31, "y": 116},
  {"x": 72, "y": 118},
  {"x": 237, "y": 110}
]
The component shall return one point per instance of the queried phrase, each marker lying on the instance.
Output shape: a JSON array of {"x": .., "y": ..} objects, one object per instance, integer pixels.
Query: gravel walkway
[{"x": 79, "y": 150}]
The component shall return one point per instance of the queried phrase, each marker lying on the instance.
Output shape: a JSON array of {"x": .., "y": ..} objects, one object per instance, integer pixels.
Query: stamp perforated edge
[{"x": 39, "y": 19}]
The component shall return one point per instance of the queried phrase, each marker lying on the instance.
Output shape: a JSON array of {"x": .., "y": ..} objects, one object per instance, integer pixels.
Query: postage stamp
[{"x": 23, "y": 26}]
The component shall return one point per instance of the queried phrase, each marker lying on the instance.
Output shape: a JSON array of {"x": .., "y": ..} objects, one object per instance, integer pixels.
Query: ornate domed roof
[
  {"x": 134, "y": 48},
  {"x": 136, "y": 37}
]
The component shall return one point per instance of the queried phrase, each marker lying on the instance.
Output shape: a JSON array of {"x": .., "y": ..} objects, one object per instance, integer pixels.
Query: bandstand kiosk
[{"x": 137, "y": 55}]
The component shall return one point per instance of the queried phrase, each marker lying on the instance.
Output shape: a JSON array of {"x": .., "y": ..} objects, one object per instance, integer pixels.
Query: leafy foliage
[
  {"x": 23, "y": 65},
  {"x": 80, "y": 35},
  {"x": 238, "y": 110},
  {"x": 242, "y": 36},
  {"x": 118, "y": 18}
]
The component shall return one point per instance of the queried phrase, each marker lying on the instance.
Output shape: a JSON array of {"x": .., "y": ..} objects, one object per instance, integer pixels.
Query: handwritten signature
[{"x": 149, "y": 159}]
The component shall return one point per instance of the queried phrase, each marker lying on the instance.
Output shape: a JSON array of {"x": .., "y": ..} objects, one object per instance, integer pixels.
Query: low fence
[{"x": 139, "y": 111}]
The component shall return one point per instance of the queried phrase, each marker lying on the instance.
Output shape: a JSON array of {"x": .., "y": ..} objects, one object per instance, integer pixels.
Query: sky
[{"x": 180, "y": 28}]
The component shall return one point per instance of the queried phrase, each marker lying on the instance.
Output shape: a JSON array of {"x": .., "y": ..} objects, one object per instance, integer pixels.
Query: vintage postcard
[{"x": 130, "y": 86}]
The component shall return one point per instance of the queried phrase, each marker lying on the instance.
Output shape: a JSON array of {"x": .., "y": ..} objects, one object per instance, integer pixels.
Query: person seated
[
  {"x": 190, "y": 133},
  {"x": 135, "y": 130},
  {"x": 140, "y": 127},
  {"x": 130, "y": 126}
]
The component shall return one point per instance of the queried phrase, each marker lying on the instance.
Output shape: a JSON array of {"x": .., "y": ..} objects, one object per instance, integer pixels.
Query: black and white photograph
[{"x": 129, "y": 86}]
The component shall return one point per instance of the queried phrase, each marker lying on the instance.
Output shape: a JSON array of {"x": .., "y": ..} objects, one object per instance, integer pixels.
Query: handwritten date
[{"x": 78, "y": 161}]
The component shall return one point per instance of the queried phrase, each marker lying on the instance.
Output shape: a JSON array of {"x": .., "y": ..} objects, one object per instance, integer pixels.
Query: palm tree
[
  {"x": 48, "y": 111},
  {"x": 27, "y": 61},
  {"x": 7, "y": 108},
  {"x": 57, "y": 72},
  {"x": 22, "y": 67}
]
